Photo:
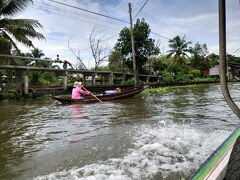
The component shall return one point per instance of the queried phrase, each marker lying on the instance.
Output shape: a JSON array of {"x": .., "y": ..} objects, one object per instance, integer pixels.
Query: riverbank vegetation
[
  {"x": 167, "y": 89},
  {"x": 159, "y": 90},
  {"x": 185, "y": 62}
]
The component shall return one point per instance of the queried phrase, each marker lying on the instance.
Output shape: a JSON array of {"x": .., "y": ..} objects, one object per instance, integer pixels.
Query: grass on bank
[
  {"x": 160, "y": 90},
  {"x": 169, "y": 89},
  {"x": 7, "y": 95}
]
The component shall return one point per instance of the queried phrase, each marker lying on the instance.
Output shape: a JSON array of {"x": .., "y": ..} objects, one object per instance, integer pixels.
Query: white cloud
[{"x": 197, "y": 19}]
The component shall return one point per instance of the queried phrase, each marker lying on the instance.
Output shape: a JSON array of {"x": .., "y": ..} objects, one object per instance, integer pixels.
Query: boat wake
[{"x": 165, "y": 151}]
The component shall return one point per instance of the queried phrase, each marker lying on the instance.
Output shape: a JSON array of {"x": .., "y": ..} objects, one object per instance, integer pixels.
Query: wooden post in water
[
  {"x": 65, "y": 81},
  {"x": 124, "y": 78},
  {"x": 0, "y": 81},
  {"x": 57, "y": 78},
  {"x": 94, "y": 79},
  {"x": 222, "y": 54},
  {"x": 19, "y": 75},
  {"x": 148, "y": 79},
  {"x": 26, "y": 83},
  {"x": 84, "y": 79},
  {"x": 111, "y": 78},
  {"x": 102, "y": 79}
]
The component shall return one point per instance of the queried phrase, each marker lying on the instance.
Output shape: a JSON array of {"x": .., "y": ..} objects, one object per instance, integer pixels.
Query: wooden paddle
[{"x": 92, "y": 94}]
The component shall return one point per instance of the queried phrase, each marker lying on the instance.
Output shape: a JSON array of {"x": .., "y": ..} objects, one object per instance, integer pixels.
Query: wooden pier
[{"x": 22, "y": 73}]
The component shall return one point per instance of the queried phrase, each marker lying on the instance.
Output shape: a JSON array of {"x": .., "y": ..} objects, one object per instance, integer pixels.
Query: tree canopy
[
  {"x": 115, "y": 61},
  {"x": 199, "y": 58},
  {"x": 144, "y": 45},
  {"x": 16, "y": 30},
  {"x": 178, "y": 50},
  {"x": 233, "y": 60}
]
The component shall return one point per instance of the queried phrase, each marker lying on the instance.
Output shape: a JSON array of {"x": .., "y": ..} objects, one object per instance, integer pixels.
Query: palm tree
[
  {"x": 37, "y": 53},
  {"x": 16, "y": 30},
  {"x": 179, "y": 49}
]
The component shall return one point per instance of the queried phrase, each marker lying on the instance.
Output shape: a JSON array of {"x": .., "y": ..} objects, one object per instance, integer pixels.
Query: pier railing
[{"x": 22, "y": 73}]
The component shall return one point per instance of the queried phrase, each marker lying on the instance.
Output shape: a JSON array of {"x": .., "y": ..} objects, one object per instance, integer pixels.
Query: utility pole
[
  {"x": 222, "y": 55},
  {"x": 133, "y": 46}
]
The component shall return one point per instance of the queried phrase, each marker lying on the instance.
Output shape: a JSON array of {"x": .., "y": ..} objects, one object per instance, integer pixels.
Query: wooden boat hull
[
  {"x": 215, "y": 166},
  {"x": 90, "y": 99}
]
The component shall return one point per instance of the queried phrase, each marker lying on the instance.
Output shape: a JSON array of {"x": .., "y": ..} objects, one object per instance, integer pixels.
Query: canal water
[{"x": 144, "y": 137}]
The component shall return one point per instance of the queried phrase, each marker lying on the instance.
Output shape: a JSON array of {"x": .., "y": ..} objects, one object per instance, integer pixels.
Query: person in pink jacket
[{"x": 78, "y": 92}]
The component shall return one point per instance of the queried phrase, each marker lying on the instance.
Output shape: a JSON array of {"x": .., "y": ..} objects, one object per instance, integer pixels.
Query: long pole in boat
[
  {"x": 222, "y": 55},
  {"x": 92, "y": 94}
]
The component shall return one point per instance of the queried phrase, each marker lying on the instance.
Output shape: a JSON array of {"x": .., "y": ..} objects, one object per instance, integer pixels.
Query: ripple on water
[{"x": 137, "y": 132}]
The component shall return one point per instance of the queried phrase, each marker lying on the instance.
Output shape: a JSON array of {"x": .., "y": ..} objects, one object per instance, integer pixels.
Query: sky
[{"x": 197, "y": 20}]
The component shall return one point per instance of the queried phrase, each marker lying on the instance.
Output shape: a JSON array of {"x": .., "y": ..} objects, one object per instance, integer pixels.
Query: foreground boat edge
[{"x": 221, "y": 154}]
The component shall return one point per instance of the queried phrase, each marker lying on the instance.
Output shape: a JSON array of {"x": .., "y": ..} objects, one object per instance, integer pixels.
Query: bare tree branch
[
  {"x": 100, "y": 50},
  {"x": 79, "y": 62}
]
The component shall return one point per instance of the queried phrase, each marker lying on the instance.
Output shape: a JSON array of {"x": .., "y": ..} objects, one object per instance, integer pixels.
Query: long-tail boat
[{"x": 107, "y": 97}]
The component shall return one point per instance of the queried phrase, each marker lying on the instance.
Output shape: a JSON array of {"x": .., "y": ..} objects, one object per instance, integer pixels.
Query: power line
[
  {"x": 92, "y": 13},
  {"x": 90, "y": 20},
  {"x": 237, "y": 49},
  {"x": 160, "y": 35},
  {"x": 99, "y": 14},
  {"x": 117, "y": 3},
  {"x": 162, "y": 24},
  {"x": 114, "y": 4},
  {"x": 140, "y": 9}
]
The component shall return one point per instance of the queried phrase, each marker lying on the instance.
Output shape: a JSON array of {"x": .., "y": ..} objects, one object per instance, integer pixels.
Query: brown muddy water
[{"x": 144, "y": 137}]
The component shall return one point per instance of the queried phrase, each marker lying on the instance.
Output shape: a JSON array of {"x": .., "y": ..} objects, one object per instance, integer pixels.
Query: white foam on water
[{"x": 165, "y": 149}]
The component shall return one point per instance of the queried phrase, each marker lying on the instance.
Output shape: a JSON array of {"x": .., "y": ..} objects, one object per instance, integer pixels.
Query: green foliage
[
  {"x": 101, "y": 68},
  {"x": 16, "y": 30},
  {"x": 166, "y": 60},
  {"x": 168, "y": 77},
  {"x": 116, "y": 62},
  {"x": 34, "y": 78},
  {"x": 39, "y": 78},
  {"x": 10, "y": 85},
  {"x": 5, "y": 46},
  {"x": 7, "y": 95},
  {"x": 196, "y": 73},
  {"x": 37, "y": 53},
  {"x": 116, "y": 67},
  {"x": 182, "y": 77},
  {"x": 199, "y": 50},
  {"x": 128, "y": 82},
  {"x": 45, "y": 82},
  {"x": 199, "y": 58},
  {"x": 178, "y": 50},
  {"x": 207, "y": 79},
  {"x": 213, "y": 59},
  {"x": 115, "y": 57},
  {"x": 144, "y": 46},
  {"x": 155, "y": 65},
  {"x": 233, "y": 60},
  {"x": 160, "y": 90},
  {"x": 48, "y": 76}
]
